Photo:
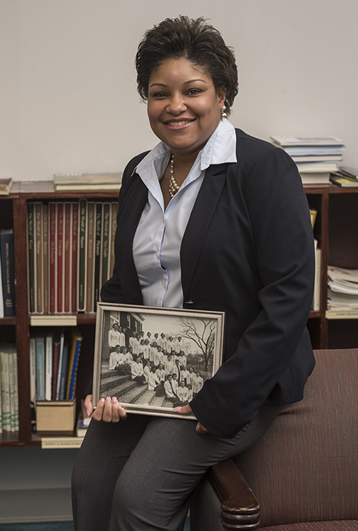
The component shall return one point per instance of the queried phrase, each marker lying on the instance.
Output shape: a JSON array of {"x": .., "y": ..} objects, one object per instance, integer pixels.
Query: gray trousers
[{"x": 138, "y": 474}]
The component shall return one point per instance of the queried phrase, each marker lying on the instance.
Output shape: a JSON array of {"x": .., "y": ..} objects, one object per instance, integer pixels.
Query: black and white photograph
[{"x": 155, "y": 359}]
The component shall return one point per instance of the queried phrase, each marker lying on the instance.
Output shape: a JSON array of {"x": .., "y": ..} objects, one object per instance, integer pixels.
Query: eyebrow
[{"x": 185, "y": 83}]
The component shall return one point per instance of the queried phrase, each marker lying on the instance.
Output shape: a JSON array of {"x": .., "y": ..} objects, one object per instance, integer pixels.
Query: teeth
[{"x": 179, "y": 123}]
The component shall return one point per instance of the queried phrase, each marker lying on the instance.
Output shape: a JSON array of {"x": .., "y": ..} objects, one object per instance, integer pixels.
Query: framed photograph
[{"x": 155, "y": 359}]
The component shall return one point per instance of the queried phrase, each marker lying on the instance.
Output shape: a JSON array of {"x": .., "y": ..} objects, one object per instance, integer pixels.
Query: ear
[{"x": 221, "y": 95}]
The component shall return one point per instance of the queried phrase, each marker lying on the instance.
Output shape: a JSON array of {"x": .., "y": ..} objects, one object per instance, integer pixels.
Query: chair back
[{"x": 305, "y": 468}]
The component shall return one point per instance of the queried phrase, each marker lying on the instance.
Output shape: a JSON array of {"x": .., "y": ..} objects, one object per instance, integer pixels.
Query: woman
[{"x": 210, "y": 219}]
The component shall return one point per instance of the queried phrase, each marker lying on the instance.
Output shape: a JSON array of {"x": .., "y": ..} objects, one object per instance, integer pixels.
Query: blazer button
[{"x": 189, "y": 302}]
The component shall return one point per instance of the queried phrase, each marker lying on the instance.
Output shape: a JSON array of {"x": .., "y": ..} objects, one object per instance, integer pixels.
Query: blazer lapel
[{"x": 199, "y": 221}]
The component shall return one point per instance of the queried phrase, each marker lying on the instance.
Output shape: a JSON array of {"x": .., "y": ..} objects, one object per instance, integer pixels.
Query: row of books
[
  {"x": 9, "y": 397},
  {"x": 7, "y": 280},
  {"x": 316, "y": 157},
  {"x": 70, "y": 254},
  {"x": 54, "y": 358}
]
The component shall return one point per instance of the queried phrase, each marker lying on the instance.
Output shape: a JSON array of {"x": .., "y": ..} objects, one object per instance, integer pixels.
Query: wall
[{"x": 68, "y": 83}]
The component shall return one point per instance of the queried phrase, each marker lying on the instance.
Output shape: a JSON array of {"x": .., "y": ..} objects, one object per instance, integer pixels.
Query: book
[
  {"x": 7, "y": 270},
  {"x": 342, "y": 180},
  {"x": 48, "y": 365},
  {"x": 74, "y": 355},
  {"x": 60, "y": 340},
  {"x": 309, "y": 141},
  {"x": 40, "y": 367},
  {"x": 38, "y": 218},
  {"x": 316, "y": 172},
  {"x": 31, "y": 256},
  {"x": 82, "y": 248},
  {"x": 52, "y": 257},
  {"x": 74, "y": 247},
  {"x": 97, "y": 254},
  {"x": 87, "y": 181},
  {"x": 106, "y": 231},
  {"x": 113, "y": 234},
  {"x": 32, "y": 348},
  {"x": 45, "y": 257},
  {"x": 56, "y": 346},
  {"x": 313, "y": 214},
  {"x": 90, "y": 256},
  {"x": 5, "y": 349},
  {"x": 5, "y": 186},
  {"x": 15, "y": 384},
  {"x": 60, "y": 257},
  {"x": 67, "y": 288},
  {"x": 63, "y": 373}
]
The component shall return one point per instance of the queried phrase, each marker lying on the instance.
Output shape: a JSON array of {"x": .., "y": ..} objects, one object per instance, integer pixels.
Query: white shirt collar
[{"x": 219, "y": 149}]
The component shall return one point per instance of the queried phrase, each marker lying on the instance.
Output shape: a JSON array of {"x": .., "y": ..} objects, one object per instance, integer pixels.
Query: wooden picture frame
[{"x": 127, "y": 338}]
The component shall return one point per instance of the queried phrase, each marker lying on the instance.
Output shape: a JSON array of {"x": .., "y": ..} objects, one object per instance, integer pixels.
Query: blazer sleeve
[{"x": 275, "y": 347}]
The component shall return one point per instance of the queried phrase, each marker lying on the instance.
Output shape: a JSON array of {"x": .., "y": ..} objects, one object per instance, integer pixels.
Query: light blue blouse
[{"x": 156, "y": 245}]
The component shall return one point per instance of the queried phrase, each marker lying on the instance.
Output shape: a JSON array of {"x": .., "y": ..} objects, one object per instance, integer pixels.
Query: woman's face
[{"x": 184, "y": 108}]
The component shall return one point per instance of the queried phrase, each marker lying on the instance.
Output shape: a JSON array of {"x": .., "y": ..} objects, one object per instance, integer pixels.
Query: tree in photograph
[{"x": 201, "y": 331}]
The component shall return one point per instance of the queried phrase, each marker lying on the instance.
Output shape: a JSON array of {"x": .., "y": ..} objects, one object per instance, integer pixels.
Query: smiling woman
[{"x": 199, "y": 227}]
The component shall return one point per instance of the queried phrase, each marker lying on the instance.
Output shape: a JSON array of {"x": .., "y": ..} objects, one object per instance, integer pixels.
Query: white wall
[{"x": 68, "y": 92}]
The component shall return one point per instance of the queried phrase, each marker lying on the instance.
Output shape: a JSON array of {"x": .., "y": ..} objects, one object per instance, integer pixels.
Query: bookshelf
[{"x": 336, "y": 229}]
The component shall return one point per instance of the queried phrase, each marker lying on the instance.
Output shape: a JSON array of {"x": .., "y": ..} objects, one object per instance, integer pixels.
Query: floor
[{"x": 52, "y": 526}]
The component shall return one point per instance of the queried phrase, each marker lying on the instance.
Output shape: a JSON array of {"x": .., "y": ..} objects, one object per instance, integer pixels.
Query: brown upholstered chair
[{"x": 303, "y": 472}]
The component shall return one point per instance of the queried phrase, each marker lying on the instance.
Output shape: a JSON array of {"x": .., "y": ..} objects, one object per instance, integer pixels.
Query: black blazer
[{"x": 247, "y": 250}]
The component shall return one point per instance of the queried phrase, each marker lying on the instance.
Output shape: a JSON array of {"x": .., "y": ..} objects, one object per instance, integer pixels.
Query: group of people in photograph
[{"x": 158, "y": 360}]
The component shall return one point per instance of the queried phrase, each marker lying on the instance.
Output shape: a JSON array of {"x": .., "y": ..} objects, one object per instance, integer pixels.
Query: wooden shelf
[{"x": 336, "y": 229}]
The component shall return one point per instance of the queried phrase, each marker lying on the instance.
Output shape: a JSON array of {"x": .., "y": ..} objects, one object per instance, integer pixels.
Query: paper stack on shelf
[
  {"x": 342, "y": 289},
  {"x": 316, "y": 157},
  {"x": 345, "y": 176}
]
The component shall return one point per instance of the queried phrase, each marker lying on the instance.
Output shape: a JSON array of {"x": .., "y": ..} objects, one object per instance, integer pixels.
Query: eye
[
  {"x": 194, "y": 91},
  {"x": 159, "y": 95}
]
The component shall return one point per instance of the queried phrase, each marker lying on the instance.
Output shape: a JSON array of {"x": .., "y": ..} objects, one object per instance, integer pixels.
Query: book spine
[
  {"x": 67, "y": 260},
  {"x": 105, "y": 242},
  {"x": 55, "y": 365},
  {"x": 31, "y": 256},
  {"x": 16, "y": 392},
  {"x": 48, "y": 367},
  {"x": 82, "y": 255},
  {"x": 64, "y": 364},
  {"x": 40, "y": 368},
  {"x": 39, "y": 257},
  {"x": 32, "y": 345},
  {"x": 45, "y": 258},
  {"x": 73, "y": 377},
  {"x": 5, "y": 391},
  {"x": 74, "y": 251},
  {"x": 7, "y": 271},
  {"x": 11, "y": 391},
  {"x": 98, "y": 253},
  {"x": 52, "y": 257},
  {"x": 60, "y": 365},
  {"x": 114, "y": 208},
  {"x": 90, "y": 256},
  {"x": 60, "y": 257}
]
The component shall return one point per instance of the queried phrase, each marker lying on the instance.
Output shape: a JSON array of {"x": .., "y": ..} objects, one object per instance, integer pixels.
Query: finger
[
  {"x": 118, "y": 413},
  {"x": 201, "y": 430},
  {"x": 183, "y": 410},
  {"x": 107, "y": 410},
  {"x": 97, "y": 415},
  {"x": 89, "y": 405}
]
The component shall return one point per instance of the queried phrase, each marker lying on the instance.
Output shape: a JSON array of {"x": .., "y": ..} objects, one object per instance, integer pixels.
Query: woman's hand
[
  {"x": 108, "y": 410},
  {"x": 186, "y": 410}
]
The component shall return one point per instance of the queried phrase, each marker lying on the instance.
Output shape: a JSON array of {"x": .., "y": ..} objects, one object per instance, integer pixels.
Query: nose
[{"x": 176, "y": 105}]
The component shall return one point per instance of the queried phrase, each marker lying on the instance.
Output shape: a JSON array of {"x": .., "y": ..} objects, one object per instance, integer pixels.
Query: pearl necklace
[{"x": 173, "y": 185}]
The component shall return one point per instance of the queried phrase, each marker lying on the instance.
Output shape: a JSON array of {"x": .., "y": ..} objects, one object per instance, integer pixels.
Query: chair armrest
[{"x": 239, "y": 506}]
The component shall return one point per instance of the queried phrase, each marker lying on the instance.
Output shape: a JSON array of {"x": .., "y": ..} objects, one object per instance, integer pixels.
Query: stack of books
[
  {"x": 342, "y": 291},
  {"x": 345, "y": 176},
  {"x": 316, "y": 157}
]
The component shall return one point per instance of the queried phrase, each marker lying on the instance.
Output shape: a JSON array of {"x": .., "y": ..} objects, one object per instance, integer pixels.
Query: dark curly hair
[{"x": 194, "y": 40}]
